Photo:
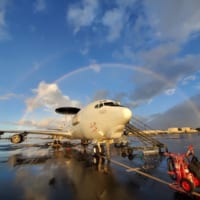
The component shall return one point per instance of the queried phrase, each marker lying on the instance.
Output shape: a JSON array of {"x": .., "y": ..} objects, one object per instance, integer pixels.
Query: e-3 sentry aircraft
[{"x": 101, "y": 122}]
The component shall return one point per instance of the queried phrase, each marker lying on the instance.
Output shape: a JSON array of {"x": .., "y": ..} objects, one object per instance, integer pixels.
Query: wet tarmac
[{"x": 37, "y": 172}]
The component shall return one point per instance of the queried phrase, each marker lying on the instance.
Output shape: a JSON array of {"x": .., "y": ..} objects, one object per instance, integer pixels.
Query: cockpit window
[
  {"x": 107, "y": 104},
  {"x": 112, "y": 104}
]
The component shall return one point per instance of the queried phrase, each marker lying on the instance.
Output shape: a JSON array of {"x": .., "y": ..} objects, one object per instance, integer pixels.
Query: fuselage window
[{"x": 98, "y": 105}]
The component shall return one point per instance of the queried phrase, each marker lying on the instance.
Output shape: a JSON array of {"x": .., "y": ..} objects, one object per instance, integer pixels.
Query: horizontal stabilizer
[{"x": 67, "y": 110}]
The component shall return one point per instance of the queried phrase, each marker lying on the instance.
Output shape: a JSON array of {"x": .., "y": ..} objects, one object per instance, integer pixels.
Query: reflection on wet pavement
[
  {"x": 66, "y": 174},
  {"x": 38, "y": 172}
]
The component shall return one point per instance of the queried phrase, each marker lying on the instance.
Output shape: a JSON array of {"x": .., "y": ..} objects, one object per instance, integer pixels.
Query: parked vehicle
[{"x": 184, "y": 169}]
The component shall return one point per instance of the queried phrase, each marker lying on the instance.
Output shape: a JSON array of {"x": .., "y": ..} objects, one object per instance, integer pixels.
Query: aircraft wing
[{"x": 66, "y": 134}]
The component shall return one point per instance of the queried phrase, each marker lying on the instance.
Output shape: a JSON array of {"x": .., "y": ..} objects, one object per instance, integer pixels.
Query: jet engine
[{"x": 17, "y": 138}]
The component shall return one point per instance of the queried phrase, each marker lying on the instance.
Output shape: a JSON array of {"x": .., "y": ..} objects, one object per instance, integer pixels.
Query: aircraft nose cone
[{"x": 127, "y": 114}]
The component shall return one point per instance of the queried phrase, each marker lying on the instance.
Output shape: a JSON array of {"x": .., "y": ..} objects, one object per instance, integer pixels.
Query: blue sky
[{"x": 144, "y": 53}]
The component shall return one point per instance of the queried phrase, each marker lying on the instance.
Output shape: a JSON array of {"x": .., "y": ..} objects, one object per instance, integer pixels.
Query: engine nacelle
[{"x": 17, "y": 138}]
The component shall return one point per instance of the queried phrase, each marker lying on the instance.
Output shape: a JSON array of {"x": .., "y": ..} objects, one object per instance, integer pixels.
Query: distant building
[
  {"x": 173, "y": 130},
  {"x": 181, "y": 130}
]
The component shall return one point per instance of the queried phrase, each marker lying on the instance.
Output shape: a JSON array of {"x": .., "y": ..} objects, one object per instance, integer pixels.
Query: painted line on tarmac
[{"x": 137, "y": 170}]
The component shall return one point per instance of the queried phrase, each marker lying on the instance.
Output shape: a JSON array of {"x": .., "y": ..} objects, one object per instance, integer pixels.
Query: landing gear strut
[
  {"x": 98, "y": 150},
  {"x": 101, "y": 150},
  {"x": 56, "y": 144},
  {"x": 85, "y": 144},
  {"x": 108, "y": 151}
]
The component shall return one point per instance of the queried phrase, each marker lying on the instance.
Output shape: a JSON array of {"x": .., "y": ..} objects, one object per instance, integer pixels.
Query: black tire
[
  {"x": 171, "y": 168},
  {"x": 130, "y": 156},
  {"x": 187, "y": 185}
]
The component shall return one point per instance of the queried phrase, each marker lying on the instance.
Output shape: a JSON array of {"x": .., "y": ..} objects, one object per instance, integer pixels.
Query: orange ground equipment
[{"x": 184, "y": 169}]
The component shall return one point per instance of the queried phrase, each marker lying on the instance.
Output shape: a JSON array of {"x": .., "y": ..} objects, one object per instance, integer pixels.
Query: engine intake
[{"x": 17, "y": 138}]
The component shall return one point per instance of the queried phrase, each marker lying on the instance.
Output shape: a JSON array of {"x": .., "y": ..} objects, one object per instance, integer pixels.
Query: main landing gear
[
  {"x": 99, "y": 149},
  {"x": 102, "y": 150},
  {"x": 127, "y": 152},
  {"x": 56, "y": 145}
]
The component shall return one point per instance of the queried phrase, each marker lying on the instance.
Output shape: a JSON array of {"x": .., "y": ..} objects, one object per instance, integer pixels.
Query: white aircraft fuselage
[{"x": 100, "y": 120}]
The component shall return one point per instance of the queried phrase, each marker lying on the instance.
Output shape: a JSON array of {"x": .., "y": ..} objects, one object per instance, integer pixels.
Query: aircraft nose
[{"x": 127, "y": 114}]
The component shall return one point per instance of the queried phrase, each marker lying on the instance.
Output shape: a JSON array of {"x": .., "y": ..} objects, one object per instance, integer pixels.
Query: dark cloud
[
  {"x": 186, "y": 114},
  {"x": 101, "y": 94},
  {"x": 148, "y": 91},
  {"x": 173, "y": 19},
  {"x": 166, "y": 74}
]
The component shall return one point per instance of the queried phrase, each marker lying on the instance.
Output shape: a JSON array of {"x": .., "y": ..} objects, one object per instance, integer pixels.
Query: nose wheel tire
[{"x": 187, "y": 185}]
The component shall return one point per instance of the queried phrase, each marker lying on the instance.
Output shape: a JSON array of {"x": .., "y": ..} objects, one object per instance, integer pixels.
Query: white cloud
[
  {"x": 50, "y": 123},
  {"x": 90, "y": 12},
  {"x": 4, "y": 35},
  {"x": 7, "y": 96},
  {"x": 84, "y": 51},
  {"x": 159, "y": 53},
  {"x": 160, "y": 27},
  {"x": 187, "y": 79},
  {"x": 113, "y": 19},
  {"x": 165, "y": 74},
  {"x": 39, "y": 5},
  {"x": 173, "y": 19},
  {"x": 139, "y": 21},
  {"x": 101, "y": 94},
  {"x": 95, "y": 67},
  {"x": 170, "y": 92},
  {"x": 2, "y": 20},
  {"x": 49, "y": 96},
  {"x": 198, "y": 86},
  {"x": 125, "y": 3},
  {"x": 82, "y": 15},
  {"x": 116, "y": 19}
]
